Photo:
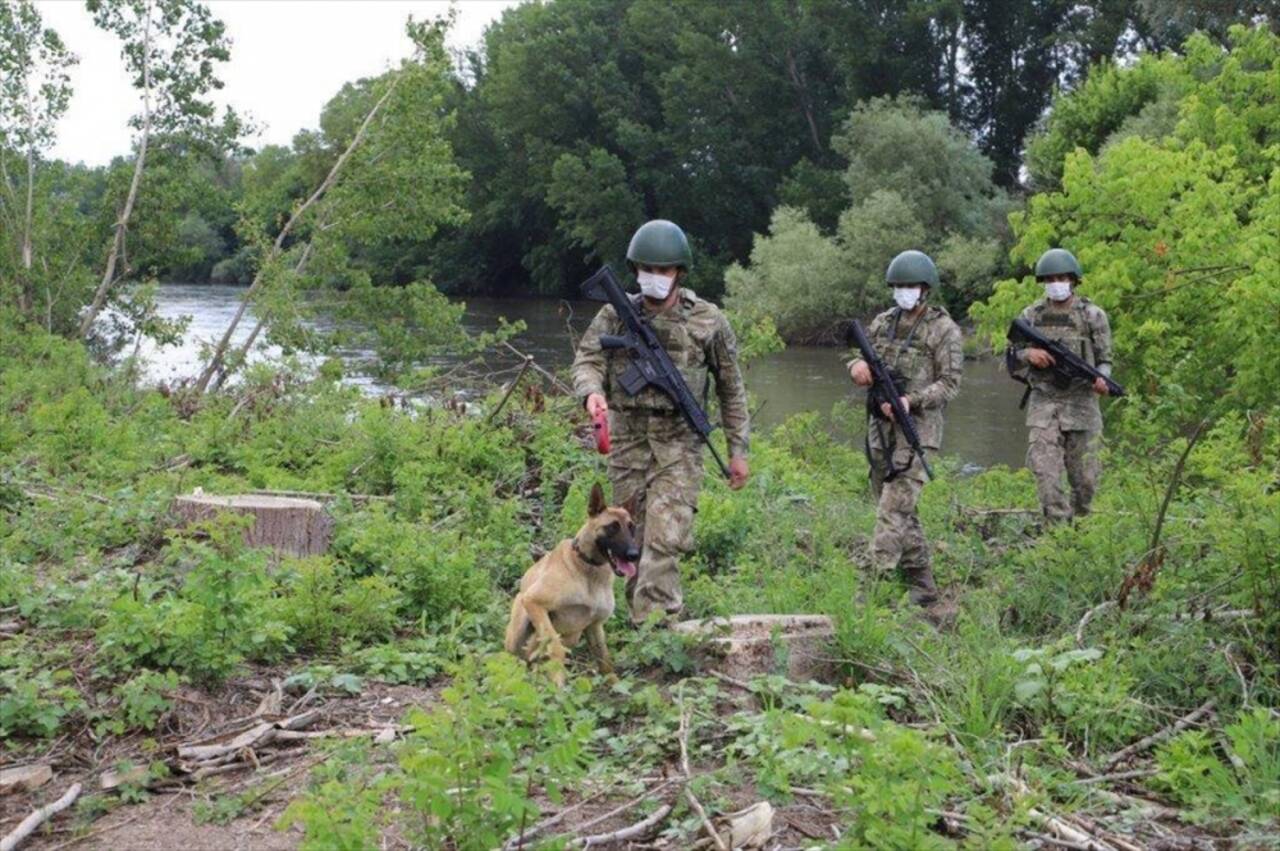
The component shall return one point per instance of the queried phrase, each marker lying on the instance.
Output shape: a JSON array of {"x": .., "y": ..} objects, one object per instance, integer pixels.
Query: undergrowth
[{"x": 440, "y": 512}]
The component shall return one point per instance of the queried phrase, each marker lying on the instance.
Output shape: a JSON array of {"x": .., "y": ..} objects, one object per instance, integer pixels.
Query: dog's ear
[
  {"x": 596, "y": 504},
  {"x": 632, "y": 505}
]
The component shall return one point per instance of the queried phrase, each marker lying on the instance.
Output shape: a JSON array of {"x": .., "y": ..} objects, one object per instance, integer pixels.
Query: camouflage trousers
[
  {"x": 1051, "y": 451},
  {"x": 658, "y": 459},
  {"x": 898, "y": 540}
]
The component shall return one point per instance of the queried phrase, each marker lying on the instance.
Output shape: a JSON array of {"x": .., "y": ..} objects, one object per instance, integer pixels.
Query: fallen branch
[
  {"x": 256, "y": 736},
  {"x": 556, "y": 382},
  {"x": 530, "y": 833},
  {"x": 621, "y": 809},
  {"x": 1088, "y": 616},
  {"x": 1057, "y": 827},
  {"x": 1159, "y": 736},
  {"x": 39, "y": 817},
  {"x": 638, "y": 830},
  {"x": 524, "y": 367},
  {"x": 688, "y": 781}
]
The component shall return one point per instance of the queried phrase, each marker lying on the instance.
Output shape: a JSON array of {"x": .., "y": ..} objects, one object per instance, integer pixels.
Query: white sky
[{"x": 288, "y": 57}]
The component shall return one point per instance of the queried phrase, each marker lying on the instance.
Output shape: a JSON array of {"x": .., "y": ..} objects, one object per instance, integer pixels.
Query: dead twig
[
  {"x": 1159, "y": 736},
  {"x": 555, "y": 382},
  {"x": 532, "y": 832},
  {"x": 524, "y": 367},
  {"x": 688, "y": 780},
  {"x": 618, "y": 811},
  {"x": 638, "y": 830},
  {"x": 1088, "y": 616},
  {"x": 30, "y": 823}
]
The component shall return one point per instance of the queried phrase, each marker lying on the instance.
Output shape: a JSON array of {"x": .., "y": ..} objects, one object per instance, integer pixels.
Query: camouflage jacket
[
  {"x": 701, "y": 344},
  {"x": 929, "y": 356},
  {"x": 1082, "y": 326}
]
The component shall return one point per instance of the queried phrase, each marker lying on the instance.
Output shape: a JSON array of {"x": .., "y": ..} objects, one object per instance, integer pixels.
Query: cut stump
[
  {"x": 298, "y": 527},
  {"x": 746, "y": 646}
]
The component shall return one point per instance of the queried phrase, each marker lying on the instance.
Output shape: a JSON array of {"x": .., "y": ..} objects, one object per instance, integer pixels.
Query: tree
[
  {"x": 35, "y": 89},
  {"x": 1177, "y": 237},
  {"x": 170, "y": 48},
  {"x": 393, "y": 179},
  {"x": 912, "y": 181}
]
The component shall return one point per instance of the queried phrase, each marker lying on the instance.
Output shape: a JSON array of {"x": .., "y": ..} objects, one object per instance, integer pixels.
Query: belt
[{"x": 651, "y": 412}]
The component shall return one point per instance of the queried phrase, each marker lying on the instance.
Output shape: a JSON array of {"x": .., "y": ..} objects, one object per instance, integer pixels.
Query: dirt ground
[
  {"x": 170, "y": 815},
  {"x": 176, "y": 814}
]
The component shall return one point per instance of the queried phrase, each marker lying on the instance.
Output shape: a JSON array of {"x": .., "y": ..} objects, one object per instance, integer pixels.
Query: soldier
[
  {"x": 656, "y": 455},
  {"x": 1064, "y": 421},
  {"x": 919, "y": 342}
]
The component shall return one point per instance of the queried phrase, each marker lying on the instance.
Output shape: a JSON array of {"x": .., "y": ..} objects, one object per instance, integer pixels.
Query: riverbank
[
  {"x": 1030, "y": 712},
  {"x": 984, "y": 425}
]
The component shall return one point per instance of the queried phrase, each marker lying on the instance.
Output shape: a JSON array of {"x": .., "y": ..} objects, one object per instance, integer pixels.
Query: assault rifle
[
  {"x": 1067, "y": 365},
  {"x": 885, "y": 389},
  {"x": 650, "y": 363}
]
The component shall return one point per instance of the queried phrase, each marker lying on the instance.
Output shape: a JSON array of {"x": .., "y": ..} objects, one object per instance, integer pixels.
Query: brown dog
[{"x": 569, "y": 590}]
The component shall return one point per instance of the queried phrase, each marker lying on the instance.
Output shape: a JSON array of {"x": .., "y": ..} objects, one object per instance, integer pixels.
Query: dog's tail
[{"x": 519, "y": 628}]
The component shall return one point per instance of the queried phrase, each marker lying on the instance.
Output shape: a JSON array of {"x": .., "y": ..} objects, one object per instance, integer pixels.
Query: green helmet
[
  {"x": 1058, "y": 261},
  {"x": 909, "y": 268},
  {"x": 660, "y": 243}
]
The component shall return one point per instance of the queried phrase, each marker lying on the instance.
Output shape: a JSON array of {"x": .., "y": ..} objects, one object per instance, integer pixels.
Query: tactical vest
[
  {"x": 689, "y": 344},
  {"x": 901, "y": 345},
  {"x": 1068, "y": 327}
]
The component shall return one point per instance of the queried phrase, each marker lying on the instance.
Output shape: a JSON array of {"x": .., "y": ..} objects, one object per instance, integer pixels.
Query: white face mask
[
  {"x": 906, "y": 297},
  {"x": 1058, "y": 290},
  {"x": 655, "y": 286}
]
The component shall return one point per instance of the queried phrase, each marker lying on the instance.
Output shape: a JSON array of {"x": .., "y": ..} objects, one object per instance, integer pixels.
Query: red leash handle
[{"x": 600, "y": 424}]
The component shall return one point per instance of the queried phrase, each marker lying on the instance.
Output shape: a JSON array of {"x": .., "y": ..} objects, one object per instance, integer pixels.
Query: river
[{"x": 984, "y": 425}]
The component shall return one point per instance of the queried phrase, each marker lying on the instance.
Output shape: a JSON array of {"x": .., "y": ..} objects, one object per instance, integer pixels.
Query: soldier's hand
[
  {"x": 860, "y": 373},
  {"x": 1100, "y": 387},
  {"x": 597, "y": 404},
  {"x": 738, "y": 472},
  {"x": 887, "y": 409},
  {"x": 1039, "y": 358}
]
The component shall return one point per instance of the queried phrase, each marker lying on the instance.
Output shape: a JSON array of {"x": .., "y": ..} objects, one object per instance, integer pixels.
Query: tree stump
[
  {"x": 297, "y": 527},
  {"x": 746, "y": 646}
]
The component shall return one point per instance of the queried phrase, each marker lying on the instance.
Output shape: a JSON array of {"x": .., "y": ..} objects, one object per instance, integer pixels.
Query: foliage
[
  {"x": 1176, "y": 237},
  {"x": 1246, "y": 788},
  {"x": 912, "y": 181}
]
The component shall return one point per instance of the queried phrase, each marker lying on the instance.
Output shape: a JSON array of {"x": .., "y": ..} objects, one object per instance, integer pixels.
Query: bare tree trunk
[
  {"x": 26, "y": 290},
  {"x": 243, "y": 352},
  {"x": 122, "y": 223},
  {"x": 219, "y": 353},
  {"x": 805, "y": 106}
]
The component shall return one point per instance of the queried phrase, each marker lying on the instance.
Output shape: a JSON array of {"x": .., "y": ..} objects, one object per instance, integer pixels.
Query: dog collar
[{"x": 577, "y": 549}]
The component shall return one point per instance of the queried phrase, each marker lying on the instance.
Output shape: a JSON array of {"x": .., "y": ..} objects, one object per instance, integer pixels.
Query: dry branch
[
  {"x": 1160, "y": 735},
  {"x": 1088, "y": 616},
  {"x": 688, "y": 781},
  {"x": 39, "y": 817},
  {"x": 638, "y": 830}
]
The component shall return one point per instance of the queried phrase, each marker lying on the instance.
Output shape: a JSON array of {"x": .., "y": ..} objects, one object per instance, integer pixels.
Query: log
[
  {"x": 24, "y": 778},
  {"x": 297, "y": 527},
  {"x": 746, "y": 646},
  {"x": 39, "y": 817}
]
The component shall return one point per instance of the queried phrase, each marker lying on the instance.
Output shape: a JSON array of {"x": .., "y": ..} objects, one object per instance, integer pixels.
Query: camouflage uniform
[
  {"x": 928, "y": 355},
  {"x": 1066, "y": 422},
  {"x": 655, "y": 453}
]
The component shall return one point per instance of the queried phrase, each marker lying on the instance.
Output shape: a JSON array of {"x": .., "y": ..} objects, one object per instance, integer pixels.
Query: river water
[{"x": 984, "y": 426}]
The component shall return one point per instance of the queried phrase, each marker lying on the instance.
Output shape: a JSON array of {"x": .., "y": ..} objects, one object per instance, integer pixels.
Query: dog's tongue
[{"x": 625, "y": 569}]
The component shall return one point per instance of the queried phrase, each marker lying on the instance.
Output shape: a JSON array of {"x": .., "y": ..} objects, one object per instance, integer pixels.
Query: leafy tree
[
  {"x": 35, "y": 88},
  {"x": 392, "y": 178},
  {"x": 912, "y": 181},
  {"x": 170, "y": 48},
  {"x": 1177, "y": 237}
]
